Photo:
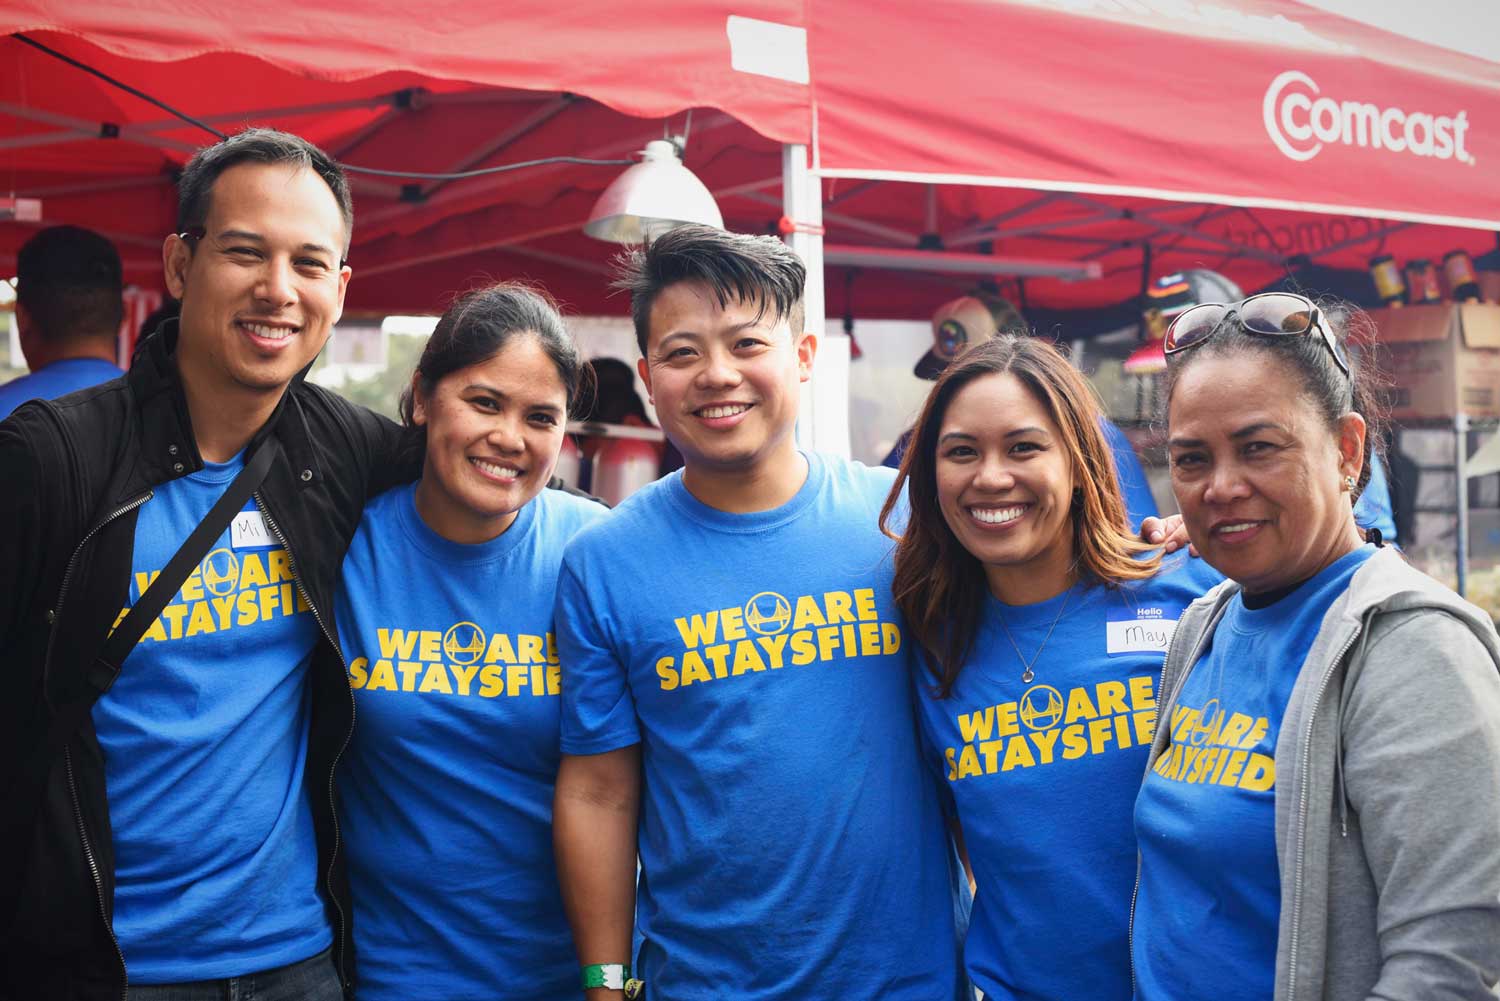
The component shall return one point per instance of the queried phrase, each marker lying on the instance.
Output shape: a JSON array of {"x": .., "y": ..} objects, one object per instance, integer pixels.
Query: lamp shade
[{"x": 651, "y": 197}]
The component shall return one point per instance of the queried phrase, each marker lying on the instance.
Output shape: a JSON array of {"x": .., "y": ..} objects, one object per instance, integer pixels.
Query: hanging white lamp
[{"x": 651, "y": 197}]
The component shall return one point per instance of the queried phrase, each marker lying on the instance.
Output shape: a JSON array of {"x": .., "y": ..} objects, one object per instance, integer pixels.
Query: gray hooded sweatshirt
[{"x": 1387, "y": 792}]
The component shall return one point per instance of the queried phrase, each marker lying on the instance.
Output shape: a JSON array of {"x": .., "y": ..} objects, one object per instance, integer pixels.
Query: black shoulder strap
[{"x": 106, "y": 667}]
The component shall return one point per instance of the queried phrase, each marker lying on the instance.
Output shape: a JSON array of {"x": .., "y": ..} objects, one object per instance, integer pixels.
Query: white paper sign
[
  {"x": 1140, "y": 635},
  {"x": 767, "y": 48},
  {"x": 248, "y": 531}
]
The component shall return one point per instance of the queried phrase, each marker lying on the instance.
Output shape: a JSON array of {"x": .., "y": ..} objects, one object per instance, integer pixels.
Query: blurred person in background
[
  {"x": 973, "y": 319},
  {"x": 617, "y": 402},
  {"x": 1319, "y": 813},
  {"x": 69, "y": 307},
  {"x": 170, "y": 309}
]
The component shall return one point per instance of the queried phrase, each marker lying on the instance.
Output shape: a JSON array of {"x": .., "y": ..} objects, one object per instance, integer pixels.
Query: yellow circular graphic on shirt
[
  {"x": 464, "y": 643},
  {"x": 768, "y": 613},
  {"x": 1041, "y": 708},
  {"x": 1203, "y": 728},
  {"x": 221, "y": 572}
]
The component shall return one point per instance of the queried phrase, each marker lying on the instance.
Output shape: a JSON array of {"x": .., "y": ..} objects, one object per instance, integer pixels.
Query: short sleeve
[
  {"x": 924, "y": 707},
  {"x": 598, "y": 711},
  {"x": 1191, "y": 576}
]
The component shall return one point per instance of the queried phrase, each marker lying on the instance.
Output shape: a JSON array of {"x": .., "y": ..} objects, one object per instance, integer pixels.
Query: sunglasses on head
[{"x": 1269, "y": 314}]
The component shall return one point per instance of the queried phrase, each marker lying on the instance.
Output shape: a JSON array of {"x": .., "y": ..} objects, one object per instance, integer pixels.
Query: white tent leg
[
  {"x": 824, "y": 422},
  {"x": 1461, "y": 476}
]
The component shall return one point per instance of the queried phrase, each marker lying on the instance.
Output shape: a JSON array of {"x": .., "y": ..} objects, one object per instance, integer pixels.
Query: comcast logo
[{"x": 1301, "y": 120}]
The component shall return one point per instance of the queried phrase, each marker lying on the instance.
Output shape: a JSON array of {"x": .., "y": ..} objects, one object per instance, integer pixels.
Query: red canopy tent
[
  {"x": 1252, "y": 137},
  {"x": 1240, "y": 136},
  {"x": 1058, "y": 139},
  {"x": 456, "y": 88}
]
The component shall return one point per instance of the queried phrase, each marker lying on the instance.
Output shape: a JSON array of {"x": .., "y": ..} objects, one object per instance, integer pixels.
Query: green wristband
[{"x": 611, "y": 975}]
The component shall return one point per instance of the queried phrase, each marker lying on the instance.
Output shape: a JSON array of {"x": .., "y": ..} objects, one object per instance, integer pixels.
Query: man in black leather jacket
[{"x": 88, "y": 481}]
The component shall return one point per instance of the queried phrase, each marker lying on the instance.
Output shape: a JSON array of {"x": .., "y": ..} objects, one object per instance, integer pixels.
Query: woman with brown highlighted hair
[{"x": 1041, "y": 624}]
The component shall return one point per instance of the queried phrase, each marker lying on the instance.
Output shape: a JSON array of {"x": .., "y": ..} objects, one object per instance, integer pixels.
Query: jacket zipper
[
  {"x": 1135, "y": 893},
  {"x": 1312, "y": 715},
  {"x": 88, "y": 850},
  {"x": 348, "y": 734},
  {"x": 67, "y": 579},
  {"x": 88, "y": 855}
]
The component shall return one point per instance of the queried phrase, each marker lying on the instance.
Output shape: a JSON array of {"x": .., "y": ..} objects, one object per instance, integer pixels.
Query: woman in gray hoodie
[{"x": 1320, "y": 818}]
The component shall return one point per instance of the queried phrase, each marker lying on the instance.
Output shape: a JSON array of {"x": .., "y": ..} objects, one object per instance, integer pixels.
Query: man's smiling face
[
  {"x": 725, "y": 380},
  {"x": 263, "y": 285}
]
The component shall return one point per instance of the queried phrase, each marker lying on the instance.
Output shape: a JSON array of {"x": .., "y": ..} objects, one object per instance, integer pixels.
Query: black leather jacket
[{"x": 73, "y": 474}]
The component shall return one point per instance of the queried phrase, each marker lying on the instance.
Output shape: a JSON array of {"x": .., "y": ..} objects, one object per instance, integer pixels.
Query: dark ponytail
[{"x": 480, "y": 323}]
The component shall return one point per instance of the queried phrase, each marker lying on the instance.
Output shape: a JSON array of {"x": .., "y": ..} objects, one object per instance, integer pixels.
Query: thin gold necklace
[{"x": 1028, "y": 674}]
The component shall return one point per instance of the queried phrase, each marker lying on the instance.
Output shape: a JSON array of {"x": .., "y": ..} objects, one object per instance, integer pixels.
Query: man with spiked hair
[{"x": 735, "y": 690}]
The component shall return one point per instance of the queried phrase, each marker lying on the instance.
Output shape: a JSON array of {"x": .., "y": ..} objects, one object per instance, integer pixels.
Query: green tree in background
[{"x": 382, "y": 393}]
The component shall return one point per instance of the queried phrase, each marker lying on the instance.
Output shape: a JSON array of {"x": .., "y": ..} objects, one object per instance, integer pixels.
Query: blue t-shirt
[
  {"x": 58, "y": 379},
  {"x": 446, "y": 788},
  {"x": 1209, "y": 904},
  {"x": 1373, "y": 509},
  {"x": 205, "y": 741},
  {"x": 1134, "y": 489},
  {"x": 1044, "y": 776},
  {"x": 791, "y": 842}
]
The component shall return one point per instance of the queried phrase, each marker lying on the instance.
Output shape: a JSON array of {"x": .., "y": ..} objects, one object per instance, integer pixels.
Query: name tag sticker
[
  {"x": 248, "y": 530},
  {"x": 1139, "y": 635}
]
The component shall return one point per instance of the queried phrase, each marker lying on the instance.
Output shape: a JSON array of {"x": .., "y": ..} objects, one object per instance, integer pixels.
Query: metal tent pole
[
  {"x": 1461, "y": 471},
  {"x": 824, "y": 422}
]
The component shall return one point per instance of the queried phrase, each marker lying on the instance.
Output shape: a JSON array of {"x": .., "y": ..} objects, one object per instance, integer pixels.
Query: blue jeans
[{"x": 312, "y": 979}]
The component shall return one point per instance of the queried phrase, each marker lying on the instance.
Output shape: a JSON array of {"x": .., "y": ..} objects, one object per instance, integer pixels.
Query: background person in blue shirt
[
  {"x": 445, "y": 616},
  {"x": 734, "y": 676},
  {"x": 974, "y": 319},
  {"x": 1042, "y": 625},
  {"x": 1319, "y": 815},
  {"x": 68, "y": 314}
]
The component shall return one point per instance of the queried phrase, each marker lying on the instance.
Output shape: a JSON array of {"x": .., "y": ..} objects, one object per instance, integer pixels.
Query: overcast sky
[{"x": 1471, "y": 26}]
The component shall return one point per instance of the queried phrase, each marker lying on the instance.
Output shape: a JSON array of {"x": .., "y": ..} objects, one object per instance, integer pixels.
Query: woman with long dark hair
[
  {"x": 445, "y": 616},
  {"x": 1041, "y": 622},
  {"x": 1318, "y": 820}
]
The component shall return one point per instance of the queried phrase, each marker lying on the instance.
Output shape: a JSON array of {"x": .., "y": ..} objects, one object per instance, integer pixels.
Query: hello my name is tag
[
  {"x": 249, "y": 531},
  {"x": 1148, "y": 632}
]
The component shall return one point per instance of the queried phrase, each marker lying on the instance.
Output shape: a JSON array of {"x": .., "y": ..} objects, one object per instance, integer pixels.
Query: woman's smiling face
[
  {"x": 494, "y": 430},
  {"x": 1258, "y": 472},
  {"x": 1005, "y": 481}
]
